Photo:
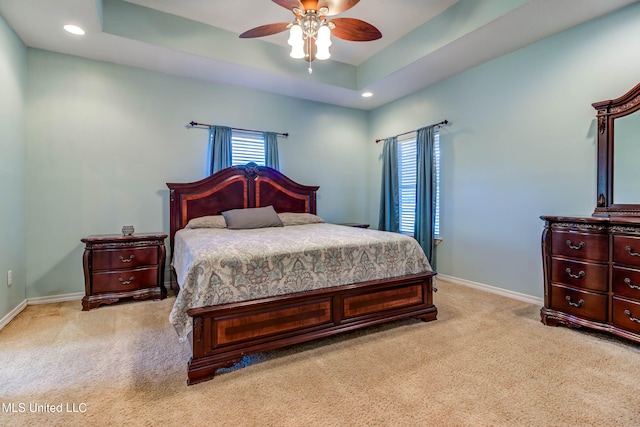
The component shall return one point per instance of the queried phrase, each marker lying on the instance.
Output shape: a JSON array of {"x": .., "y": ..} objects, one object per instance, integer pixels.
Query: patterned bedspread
[{"x": 216, "y": 266}]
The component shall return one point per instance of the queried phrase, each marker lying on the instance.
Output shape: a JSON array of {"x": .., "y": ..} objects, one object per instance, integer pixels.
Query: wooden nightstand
[
  {"x": 117, "y": 266},
  {"x": 355, "y": 224}
]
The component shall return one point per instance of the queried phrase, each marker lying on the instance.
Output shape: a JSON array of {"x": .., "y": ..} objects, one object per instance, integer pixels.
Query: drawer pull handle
[
  {"x": 575, "y": 304},
  {"x": 126, "y": 282},
  {"x": 127, "y": 259},
  {"x": 575, "y": 276},
  {"x": 631, "y": 285},
  {"x": 628, "y": 249},
  {"x": 572, "y": 246},
  {"x": 633, "y": 319}
]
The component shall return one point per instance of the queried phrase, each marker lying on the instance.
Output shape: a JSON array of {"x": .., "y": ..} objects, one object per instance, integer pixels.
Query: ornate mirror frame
[{"x": 607, "y": 112}]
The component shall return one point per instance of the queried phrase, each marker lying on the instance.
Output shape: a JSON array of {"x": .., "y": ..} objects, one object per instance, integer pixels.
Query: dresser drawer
[
  {"x": 588, "y": 305},
  {"x": 580, "y": 245},
  {"x": 125, "y": 280},
  {"x": 626, "y": 314},
  {"x": 626, "y": 250},
  {"x": 109, "y": 259},
  {"x": 626, "y": 282},
  {"x": 580, "y": 274}
]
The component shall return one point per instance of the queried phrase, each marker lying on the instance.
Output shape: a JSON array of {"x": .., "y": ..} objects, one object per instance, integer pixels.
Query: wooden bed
[{"x": 223, "y": 334}]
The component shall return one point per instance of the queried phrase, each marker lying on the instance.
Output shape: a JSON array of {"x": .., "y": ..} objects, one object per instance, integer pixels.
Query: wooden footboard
[{"x": 223, "y": 334}]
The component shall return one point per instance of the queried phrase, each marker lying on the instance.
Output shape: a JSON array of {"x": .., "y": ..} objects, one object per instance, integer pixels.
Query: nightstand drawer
[
  {"x": 110, "y": 259},
  {"x": 125, "y": 280},
  {"x": 588, "y": 305},
  {"x": 355, "y": 224},
  {"x": 580, "y": 245},
  {"x": 580, "y": 274}
]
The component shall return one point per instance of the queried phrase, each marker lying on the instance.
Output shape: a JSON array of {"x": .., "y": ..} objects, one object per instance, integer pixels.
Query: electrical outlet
[{"x": 9, "y": 278}]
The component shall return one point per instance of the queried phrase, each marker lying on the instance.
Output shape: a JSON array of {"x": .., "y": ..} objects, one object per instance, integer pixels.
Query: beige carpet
[{"x": 487, "y": 361}]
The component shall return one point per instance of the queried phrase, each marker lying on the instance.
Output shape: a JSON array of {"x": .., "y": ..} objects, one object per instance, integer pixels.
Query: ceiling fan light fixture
[
  {"x": 311, "y": 30},
  {"x": 323, "y": 41},
  {"x": 296, "y": 41},
  {"x": 295, "y": 35},
  {"x": 323, "y": 53},
  {"x": 297, "y": 52}
]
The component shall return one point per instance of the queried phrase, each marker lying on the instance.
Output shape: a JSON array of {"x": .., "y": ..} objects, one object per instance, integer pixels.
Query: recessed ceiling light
[
  {"x": 74, "y": 29},
  {"x": 367, "y": 94}
]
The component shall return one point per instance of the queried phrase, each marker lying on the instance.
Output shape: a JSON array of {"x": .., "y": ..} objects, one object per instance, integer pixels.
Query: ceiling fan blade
[
  {"x": 337, "y": 6},
  {"x": 355, "y": 30},
  {"x": 265, "y": 30},
  {"x": 289, "y": 4}
]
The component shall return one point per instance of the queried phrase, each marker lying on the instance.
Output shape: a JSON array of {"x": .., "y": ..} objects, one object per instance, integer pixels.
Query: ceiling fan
[{"x": 310, "y": 32}]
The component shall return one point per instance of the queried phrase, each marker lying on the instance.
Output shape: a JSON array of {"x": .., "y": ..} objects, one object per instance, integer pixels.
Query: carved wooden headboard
[{"x": 236, "y": 187}]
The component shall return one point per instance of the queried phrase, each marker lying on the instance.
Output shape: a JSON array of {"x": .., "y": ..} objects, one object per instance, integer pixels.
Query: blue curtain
[
  {"x": 425, "y": 192},
  {"x": 219, "y": 148},
  {"x": 389, "y": 197},
  {"x": 271, "y": 150}
]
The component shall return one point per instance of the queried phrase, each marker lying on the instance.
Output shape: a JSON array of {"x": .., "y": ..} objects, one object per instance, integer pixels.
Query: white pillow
[
  {"x": 293, "y": 218},
  {"x": 213, "y": 221}
]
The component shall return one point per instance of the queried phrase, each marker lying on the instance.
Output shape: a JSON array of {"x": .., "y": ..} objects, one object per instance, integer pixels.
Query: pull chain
[{"x": 309, "y": 51}]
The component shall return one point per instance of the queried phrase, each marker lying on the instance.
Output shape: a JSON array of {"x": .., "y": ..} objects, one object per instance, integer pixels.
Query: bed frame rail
[{"x": 222, "y": 335}]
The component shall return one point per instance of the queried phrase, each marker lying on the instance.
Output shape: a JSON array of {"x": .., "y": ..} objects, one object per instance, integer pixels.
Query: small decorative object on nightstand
[
  {"x": 123, "y": 266},
  {"x": 355, "y": 224}
]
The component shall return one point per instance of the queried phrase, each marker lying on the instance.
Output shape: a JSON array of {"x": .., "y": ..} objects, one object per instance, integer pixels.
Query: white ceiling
[{"x": 39, "y": 24}]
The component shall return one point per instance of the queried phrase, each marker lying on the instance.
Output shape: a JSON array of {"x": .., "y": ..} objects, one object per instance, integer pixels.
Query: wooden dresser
[
  {"x": 592, "y": 273},
  {"x": 117, "y": 266}
]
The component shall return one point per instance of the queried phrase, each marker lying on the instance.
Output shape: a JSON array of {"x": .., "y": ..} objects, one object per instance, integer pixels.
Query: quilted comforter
[{"x": 217, "y": 266}]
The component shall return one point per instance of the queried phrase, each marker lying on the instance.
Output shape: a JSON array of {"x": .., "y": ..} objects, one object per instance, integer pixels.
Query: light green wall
[
  {"x": 522, "y": 144},
  {"x": 12, "y": 168},
  {"x": 104, "y": 139}
]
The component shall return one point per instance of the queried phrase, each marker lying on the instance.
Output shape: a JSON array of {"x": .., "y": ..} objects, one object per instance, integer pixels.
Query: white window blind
[
  {"x": 407, "y": 156},
  {"x": 247, "y": 147},
  {"x": 407, "y": 173}
]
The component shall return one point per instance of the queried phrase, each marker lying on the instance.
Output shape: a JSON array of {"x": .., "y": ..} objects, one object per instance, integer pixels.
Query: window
[
  {"x": 407, "y": 173},
  {"x": 247, "y": 147}
]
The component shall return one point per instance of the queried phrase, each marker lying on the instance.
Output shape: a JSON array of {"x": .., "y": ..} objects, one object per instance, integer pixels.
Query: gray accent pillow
[{"x": 240, "y": 219}]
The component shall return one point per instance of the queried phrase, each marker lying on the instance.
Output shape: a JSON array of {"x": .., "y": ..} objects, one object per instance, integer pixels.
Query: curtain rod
[
  {"x": 442, "y": 123},
  {"x": 192, "y": 124}
]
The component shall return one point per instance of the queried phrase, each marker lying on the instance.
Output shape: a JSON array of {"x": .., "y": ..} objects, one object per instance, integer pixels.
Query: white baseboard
[
  {"x": 492, "y": 289},
  {"x": 56, "y": 298},
  {"x": 13, "y": 313},
  {"x": 39, "y": 300},
  {"x": 79, "y": 295}
]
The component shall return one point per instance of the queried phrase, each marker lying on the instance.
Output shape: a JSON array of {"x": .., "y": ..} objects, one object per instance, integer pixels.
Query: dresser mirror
[
  {"x": 626, "y": 179},
  {"x": 618, "y": 154}
]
